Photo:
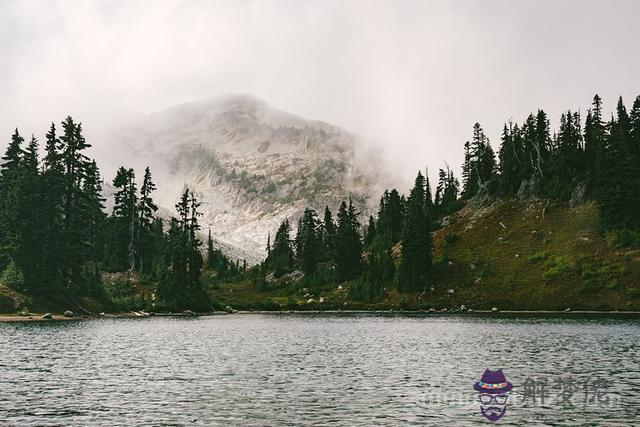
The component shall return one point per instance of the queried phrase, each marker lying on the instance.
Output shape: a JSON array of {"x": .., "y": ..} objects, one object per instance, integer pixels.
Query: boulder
[
  {"x": 579, "y": 195},
  {"x": 229, "y": 309},
  {"x": 68, "y": 313},
  {"x": 528, "y": 189},
  {"x": 463, "y": 308},
  {"x": 47, "y": 316}
]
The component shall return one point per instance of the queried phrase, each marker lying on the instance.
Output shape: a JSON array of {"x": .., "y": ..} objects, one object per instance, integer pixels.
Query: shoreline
[{"x": 37, "y": 317}]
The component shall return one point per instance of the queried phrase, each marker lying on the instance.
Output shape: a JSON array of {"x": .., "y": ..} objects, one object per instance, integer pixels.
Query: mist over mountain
[{"x": 250, "y": 164}]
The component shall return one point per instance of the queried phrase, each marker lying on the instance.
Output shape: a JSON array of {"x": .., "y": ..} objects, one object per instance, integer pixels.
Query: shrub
[
  {"x": 538, "y": 257},
  {"x": 450, "y": 238},
  {"x": 624, "y": 239},
  {"x": 13, "y": 277},
  {"x": 557, "y": 268}
]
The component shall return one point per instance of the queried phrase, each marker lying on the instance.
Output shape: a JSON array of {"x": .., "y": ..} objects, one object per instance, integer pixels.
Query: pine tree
[
  {"x": 348, "y": 243},
  {"x": 280, "y": 260},
  {"x": 328, "y": 234},
  {"x": 94, "y": 219},
  {"x": 122, "y": 246},
  {"x": 146, "y": 210},
  {"x": 618, "y": 186},
  {"x": 416, "y": 241},
  {"x": 510, "y": 158},
  {"x": 211, "y": 261},
  {"x": 52, "y": 211},
  {"x": 308, "y": 243},
  {"x": 10, "y": 196},
  {"x": 181, "y": 287}
]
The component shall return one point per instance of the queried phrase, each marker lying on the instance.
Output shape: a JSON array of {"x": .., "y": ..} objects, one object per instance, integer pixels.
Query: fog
[{"x": 410, "y": 76}]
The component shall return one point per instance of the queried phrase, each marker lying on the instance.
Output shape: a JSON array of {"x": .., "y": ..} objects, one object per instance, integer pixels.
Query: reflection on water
[{"x": 289, "y": 369}]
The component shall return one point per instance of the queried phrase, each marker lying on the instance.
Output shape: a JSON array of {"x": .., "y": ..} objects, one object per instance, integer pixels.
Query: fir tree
[
  {"x": 416, "y": 240},
  {"x": 348, "y": 243}
]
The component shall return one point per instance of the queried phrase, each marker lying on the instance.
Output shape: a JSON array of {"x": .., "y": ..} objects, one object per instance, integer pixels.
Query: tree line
[
  {"x": 394, "y": 248},
  {"x": 56, "y": 238}
]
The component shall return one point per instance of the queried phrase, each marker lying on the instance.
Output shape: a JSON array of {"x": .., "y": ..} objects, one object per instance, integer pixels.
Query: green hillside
[{"x": 515, "y": 255}]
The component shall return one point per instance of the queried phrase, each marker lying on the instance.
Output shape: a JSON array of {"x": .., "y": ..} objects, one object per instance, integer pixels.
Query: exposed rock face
[
  {"x": 251, "y": 165},
  {"x": 528, "y": 189},
  {"x": 579, "y": 195}
]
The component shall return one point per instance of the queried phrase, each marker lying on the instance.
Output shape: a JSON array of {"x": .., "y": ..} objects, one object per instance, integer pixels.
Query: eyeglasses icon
[{"x": 499, "y": 399}]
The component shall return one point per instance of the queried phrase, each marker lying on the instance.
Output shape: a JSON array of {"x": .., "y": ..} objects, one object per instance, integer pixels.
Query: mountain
[{"x": 250, "y": 164}]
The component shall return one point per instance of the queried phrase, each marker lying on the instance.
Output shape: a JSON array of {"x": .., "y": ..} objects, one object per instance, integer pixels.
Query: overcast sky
[{"x": 413, "y": 76}]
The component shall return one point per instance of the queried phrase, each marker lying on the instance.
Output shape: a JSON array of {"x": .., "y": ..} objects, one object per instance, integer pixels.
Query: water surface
[{"x": 306, "y": 369}]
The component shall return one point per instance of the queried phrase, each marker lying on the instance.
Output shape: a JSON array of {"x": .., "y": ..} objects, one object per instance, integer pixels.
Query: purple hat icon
[{"x": 493, "y": 382}]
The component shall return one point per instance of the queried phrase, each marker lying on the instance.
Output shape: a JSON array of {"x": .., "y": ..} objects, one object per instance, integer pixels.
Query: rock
[
  {"x": 528, "y": 189},
  {"x": 47, "y": 316},
  {"x": 478, "y": 280},
  {"x": 517, "y": 255},
  {"x": 321, "y": 300},
  {"x": 463, "y": 308},
  {"x": 310, "y": 301},
  {"x": 567, "y": 310},
  {"x": 443, "y": 310},
  {"x": 339, "y": 287},
  {"x": 229, "y": 309},
  {"x": 494, "y": 309},
  {"x": 579, "y": 195},
  {"x": 68, "y": 313},
  {"x": 451, "y": 291},
  {"x": 101, "y": 314},
  {"x": 450, "y": 263}
]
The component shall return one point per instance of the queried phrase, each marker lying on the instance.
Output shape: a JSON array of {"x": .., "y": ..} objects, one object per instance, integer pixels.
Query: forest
[{"x": 57, "y": 240}]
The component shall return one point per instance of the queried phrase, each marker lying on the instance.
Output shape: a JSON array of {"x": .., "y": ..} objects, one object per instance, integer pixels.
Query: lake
[{"x": 289, "y": 369}]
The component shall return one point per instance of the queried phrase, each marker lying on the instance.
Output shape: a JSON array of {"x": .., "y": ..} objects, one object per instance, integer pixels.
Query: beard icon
[{"x": 493, "y": 390}]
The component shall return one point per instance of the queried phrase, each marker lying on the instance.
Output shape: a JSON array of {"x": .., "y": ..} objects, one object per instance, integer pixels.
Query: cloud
[{"x": 410, "y": 76}]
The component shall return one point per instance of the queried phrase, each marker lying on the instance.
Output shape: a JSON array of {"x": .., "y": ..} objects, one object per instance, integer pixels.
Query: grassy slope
[
  {"x": 510, "y": 256},
  {"x": 531, "y": 261}
]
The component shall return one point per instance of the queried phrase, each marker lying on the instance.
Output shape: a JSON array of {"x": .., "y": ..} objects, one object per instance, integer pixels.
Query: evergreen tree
[
  {"x": 122, "y": 244},
  {"x": 308, "y": 243},
  {"x": 280, "y": 260},
  {"x": 328, "y": 234},
  {"x": 146, "y": 210},
  {"x": 11, "y": 178},
  {"x": 416, "y": 240},
  {"x": 348, "y": 243},
  {"x": 181, "y": 287},
  {"x": 94, "y": 220}
]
